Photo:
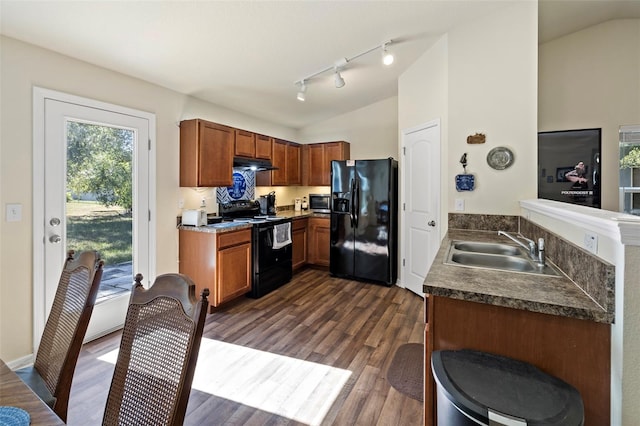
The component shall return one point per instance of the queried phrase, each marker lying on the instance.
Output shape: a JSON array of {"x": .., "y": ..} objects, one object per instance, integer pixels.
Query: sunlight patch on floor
[{"x": 296, "y": 389}]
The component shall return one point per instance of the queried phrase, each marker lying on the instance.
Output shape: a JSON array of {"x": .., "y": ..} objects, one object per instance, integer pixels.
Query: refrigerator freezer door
[
  {"x": 341, "y": 254},
  {"x": 375, "y": 252}
]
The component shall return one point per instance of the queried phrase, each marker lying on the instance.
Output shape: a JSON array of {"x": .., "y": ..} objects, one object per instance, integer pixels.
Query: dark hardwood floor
[{"x": 317, "y": 318}]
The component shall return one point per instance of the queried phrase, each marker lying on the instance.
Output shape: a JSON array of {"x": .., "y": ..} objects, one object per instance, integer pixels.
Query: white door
[
  {"x": 96, "y": 141},
  {"x": 421, "y": 215}
]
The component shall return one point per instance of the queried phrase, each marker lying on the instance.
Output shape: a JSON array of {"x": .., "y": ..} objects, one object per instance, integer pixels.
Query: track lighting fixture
[
  {"x": 339, "y": 81},
  {"x": 387, "y": 55},
  {"x": 301, "y": 92},
  {"x": 340, "y": 65}
]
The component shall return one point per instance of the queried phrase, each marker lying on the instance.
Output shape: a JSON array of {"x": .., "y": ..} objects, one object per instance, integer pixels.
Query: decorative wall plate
[
  {"x": 500, "y": 158},
  {"x": 466, "y": 182}
]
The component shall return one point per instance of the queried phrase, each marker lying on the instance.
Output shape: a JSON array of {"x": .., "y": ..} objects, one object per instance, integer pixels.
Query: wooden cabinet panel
[
  {"x": 245, "y": 143},
  {"x": 263, "y": 147},
  {"x": 576, "y": 351},
  {"x": 319, "y": 160},
  {"x": 294, "y": 175},
  {"x": 299, "y": 242},
  {"x": 279, "y": 160},
  {"x": 319, "y": 240},
  {"x": 220, "y": 262},
  {"x": 234, "y": 272},
  {"x": 206, "y": 154}
]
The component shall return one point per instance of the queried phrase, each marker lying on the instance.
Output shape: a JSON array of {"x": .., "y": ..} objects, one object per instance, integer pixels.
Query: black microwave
[{"x": 320, "y": 203}]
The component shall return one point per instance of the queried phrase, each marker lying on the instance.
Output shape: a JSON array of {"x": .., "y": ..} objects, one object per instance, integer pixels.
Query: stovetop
[{"x": 246, "y": 211}]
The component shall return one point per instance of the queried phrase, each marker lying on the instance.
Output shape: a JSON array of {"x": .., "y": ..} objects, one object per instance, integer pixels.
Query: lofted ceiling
[{"x": 247, "y": 55}]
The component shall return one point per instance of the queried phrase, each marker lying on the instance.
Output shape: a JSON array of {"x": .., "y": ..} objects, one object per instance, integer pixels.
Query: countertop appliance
[
  {"x": 195, "y": 217},
  {"x": 268, "y": 204},
  {"x": 271, "y": 249},
  {"x": 320, "y": 203},
  {"x": 364, "y": 222}
]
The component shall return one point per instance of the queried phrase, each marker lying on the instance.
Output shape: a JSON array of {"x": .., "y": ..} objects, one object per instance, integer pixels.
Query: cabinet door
[
  {"x": 294, "y": 175},
  {"x": 245, "y": 145},
  {"x": 263, "y": 147},
  {"x": 279, "y": 160},
  {"x": 206, "y": 154},
  {"x": 319, "y": 237},
  {"x": 234, "y": 272},
  {"x": 299, "y": 243},
  {"x": 197, "y": 250},
  {"x": 317, "y": 166}
]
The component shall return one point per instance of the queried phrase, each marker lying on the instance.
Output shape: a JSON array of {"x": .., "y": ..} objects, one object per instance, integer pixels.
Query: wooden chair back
[
  {"x": 158, "y": 353},
  {"x": 66, "y": 326}
]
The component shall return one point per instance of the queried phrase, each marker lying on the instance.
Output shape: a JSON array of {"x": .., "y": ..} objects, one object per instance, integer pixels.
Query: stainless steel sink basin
[
  {"x": 489, "y": 248},
  {"x": 502, "y": 257}
]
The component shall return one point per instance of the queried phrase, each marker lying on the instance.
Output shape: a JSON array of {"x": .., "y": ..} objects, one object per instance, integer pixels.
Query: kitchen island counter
[{"x": 556, "y": 295}]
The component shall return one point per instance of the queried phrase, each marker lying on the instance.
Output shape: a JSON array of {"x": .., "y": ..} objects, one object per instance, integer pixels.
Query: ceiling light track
[{"x": 340, "y": 65}]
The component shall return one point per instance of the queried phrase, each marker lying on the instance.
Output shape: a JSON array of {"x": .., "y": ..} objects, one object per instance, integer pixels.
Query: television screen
[{"x": 569, "y": 166}]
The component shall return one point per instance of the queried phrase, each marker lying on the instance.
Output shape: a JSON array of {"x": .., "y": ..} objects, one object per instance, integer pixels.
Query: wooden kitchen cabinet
[
  {"x": 220, "y": 262},
  {"x": 263, "y": 147},
  {"x": 245, "y": 143},
  {"x": 299, "y": 242},
  {"x": 574, "y": 350},
  {"x": 286, "y": 157},
  {"x": 206, "y": 154},
  {"x": 319, "y": 240},
  {"x": 319, "y": 157}
]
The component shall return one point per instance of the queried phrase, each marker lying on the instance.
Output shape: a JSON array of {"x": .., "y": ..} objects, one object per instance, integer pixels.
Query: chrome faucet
[{"x": 536, "y": 251}]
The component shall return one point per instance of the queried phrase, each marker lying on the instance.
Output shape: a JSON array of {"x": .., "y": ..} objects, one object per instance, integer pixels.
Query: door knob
[
  {"x": 432, "y": 223},
  {"x": 54, "y": 221},
  {"x": 55, "y": 239}
]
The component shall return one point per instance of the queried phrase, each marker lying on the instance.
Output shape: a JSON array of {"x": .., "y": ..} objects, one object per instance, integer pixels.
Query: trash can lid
[{"x": 478, "y": 382}]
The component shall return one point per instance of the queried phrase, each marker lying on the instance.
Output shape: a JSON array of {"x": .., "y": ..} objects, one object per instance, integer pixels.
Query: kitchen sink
[
  {"x": 489, "y": 248},
  {"x": 497, "y": 256}
]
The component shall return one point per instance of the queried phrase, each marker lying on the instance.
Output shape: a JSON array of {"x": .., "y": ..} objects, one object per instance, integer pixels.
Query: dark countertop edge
[
  {"x": 287, "y": 214},
  {"x": 451, "y": 290}
]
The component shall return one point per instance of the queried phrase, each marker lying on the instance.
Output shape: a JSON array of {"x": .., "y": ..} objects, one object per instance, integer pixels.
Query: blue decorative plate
[
  {"x": 465, "y": 182},
  {"x": 14, "y": 416}
]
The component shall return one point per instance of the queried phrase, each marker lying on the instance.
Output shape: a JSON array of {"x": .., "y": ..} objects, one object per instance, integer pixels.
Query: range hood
[{"x": 254, "y": 164}]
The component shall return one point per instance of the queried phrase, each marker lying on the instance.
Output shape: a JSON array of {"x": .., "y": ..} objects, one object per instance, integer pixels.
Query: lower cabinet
[
  {"x": 299, "y": 241},
  {"x": 319, "y": 238},
  {"x": 220, "y": 262}
]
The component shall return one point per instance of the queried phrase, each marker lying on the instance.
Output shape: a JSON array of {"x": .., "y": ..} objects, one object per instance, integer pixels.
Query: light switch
[{"x": 14, "y": 212}]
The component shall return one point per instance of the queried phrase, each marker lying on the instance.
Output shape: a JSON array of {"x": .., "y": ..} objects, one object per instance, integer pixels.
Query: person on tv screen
[{"x": 577, "y": 175}]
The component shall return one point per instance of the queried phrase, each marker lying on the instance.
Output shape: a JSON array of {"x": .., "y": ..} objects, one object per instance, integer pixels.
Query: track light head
[
  {"x": 338, "y": 80},
  {"x": 301, "y": 93},
  {"x": 387, "y": 55}
]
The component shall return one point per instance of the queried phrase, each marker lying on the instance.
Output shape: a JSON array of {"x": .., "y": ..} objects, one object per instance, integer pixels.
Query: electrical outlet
[
  {"x": 591, "y": 242},
  {"x": 181, "y": 203},
  {"x": 14, "y": 212},
  {"x": 459, "y": 205}
]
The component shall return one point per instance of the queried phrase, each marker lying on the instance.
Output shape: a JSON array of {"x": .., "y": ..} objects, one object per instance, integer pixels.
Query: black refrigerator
[{"x": 364, "y": 220}]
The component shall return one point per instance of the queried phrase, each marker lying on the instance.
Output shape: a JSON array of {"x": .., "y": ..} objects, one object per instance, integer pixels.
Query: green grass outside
[{"x": 92, "y": 226}]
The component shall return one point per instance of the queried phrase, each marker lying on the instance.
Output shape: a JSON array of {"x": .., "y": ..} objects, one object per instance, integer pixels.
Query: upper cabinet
[
  {"x": 318, "y": 160},
  {"x": 206, "y": 154},
  {"x": 285, "y": 157},
  {"x": 263, "y": 147},
  {"x": 245, "y": 143}
]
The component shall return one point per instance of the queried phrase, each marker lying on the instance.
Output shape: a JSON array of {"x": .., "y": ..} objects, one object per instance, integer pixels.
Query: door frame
[
  {"x": 38, "y": 218},
  {"x": 403, "y": 213}
]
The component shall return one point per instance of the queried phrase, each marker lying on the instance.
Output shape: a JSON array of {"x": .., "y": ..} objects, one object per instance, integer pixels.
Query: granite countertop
[
  {"x": 537, "y": 293},
  {"x": 217, "y": 228}
]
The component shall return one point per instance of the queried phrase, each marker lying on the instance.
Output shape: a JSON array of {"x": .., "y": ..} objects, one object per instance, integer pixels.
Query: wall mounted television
[{"x": 569, "y": 166}]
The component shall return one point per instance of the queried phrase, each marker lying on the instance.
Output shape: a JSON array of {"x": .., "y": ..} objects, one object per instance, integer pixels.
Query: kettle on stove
[{"x": 268, "y": 204}]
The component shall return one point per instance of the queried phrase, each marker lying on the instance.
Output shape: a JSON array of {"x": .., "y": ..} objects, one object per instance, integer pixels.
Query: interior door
[
  {"x": 421, "y": 236},
  {"x": 66, "y": 128}
]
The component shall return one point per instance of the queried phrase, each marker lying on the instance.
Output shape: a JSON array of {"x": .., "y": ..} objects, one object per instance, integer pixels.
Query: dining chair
[
  {"x": 158, "y": 353},
  {"x": 51, "y": 375}
]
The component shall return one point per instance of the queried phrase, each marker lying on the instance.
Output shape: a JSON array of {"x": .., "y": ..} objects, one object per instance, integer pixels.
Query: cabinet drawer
[{"x": 228, "y": 239}]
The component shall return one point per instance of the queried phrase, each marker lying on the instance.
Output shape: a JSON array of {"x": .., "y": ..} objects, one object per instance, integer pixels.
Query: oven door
[{"x": 265, "y": 256}]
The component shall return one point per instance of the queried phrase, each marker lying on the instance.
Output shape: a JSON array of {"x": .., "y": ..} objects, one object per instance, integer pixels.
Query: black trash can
[{"x": 479, "y": 388}]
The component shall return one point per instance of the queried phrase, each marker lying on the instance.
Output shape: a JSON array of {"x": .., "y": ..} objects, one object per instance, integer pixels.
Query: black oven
[{"x": 271, "y": 249}]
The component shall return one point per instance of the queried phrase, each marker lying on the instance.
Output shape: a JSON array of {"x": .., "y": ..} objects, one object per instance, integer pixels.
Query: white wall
[
  {"x": 589, "y": 79},
  {"x": 24, "y": 66},
  {"x": 487, "y": 85},
  {"x": 372, "y": 131}
]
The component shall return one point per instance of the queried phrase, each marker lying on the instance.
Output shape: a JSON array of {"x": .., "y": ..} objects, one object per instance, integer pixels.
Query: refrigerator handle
[
  {"x": 352, "y": 188},
  {"x": 356, "y": 196}
]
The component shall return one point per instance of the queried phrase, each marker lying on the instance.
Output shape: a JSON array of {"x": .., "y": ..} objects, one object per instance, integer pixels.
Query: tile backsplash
[{"x": 243, "y": 188}]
